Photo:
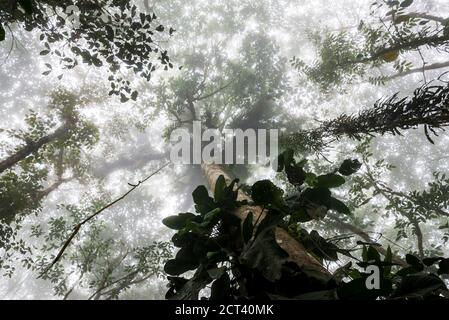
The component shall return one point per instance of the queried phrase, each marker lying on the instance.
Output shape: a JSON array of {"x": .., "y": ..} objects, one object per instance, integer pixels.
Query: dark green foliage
[
  {"x": 242, "y": 259},
  {"x": 115, "y": 34},
  {"x": 265, "y": 192},
  {"x": 349, "y": 167},
  {"x": 2, "y": 33}
]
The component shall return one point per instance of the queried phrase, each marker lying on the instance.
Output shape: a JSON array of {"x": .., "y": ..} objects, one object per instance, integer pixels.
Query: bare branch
[{"x": 77, "y": 228}]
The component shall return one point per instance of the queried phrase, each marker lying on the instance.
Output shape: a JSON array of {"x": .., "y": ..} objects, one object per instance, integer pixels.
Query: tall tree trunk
[
  {"x": 32, "y": 147},
  {"x": 295, "y": 250}
]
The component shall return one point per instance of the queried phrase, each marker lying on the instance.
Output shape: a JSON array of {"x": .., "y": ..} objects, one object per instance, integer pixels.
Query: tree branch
[
  {"x": 32, "y": 147},
  {"x": 77, "y": 228}
]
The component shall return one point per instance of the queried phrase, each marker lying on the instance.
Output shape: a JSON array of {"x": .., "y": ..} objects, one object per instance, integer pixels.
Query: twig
[{"x": 77, "y": 228}]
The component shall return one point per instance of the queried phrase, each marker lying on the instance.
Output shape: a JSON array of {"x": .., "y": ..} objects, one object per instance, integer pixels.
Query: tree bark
[
  {"x": 295, "y": 250},
  {"x": 32, "y": 147}
]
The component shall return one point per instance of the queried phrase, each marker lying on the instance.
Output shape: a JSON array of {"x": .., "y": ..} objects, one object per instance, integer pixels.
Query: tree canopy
[{"x": 93, "y": 207}]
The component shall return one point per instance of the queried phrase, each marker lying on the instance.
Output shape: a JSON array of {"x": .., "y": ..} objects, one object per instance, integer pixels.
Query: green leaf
[
  {"x": 339, "y": 206},
  {"x": 264, "y": 192},
  {"x": 203, "y": 202},
  {"x": 265, "y": 255},
  {"x": 311, "y": 179},
  {"x": 288, "y": 157},
  {"x": 216, "y": 255},
  {"x": 176, "y": 267},
  {"x": 248, "y": 228},
  {"x": 2, "y": 33},
  {"x": 300, "y": 215},
  {"x": 220, "y": 186},
  {"x": 418, "y": 286},
  {"x": 317, "y": 196},
  {"x": 281, "y": 164},
  {"x": 183, "y": 289},
  {"x": 373, "y": 254},
  {"x": 216, "y": 273},
  {"x": 109, "y": 33},
  {"x": 211, "y": 218},
  {"x": 357, "y": 290},
  {"x": 221, "y": 288},
  {"x": 44, "y": 52},
  {"x": 349, "y": 167},
  {"x": 431, "y": 261},
  {"x": 330, "y": 181},
  {"x": 443, "y": 266},
  {"x": 406, "y": 271},
  {"x": 406, "y": 3},
  {"x": 27, "y": 5},
  {"x": 295, "y": 174},
  {"x": 414, "y": 262},
  {"x": 179, "y": 221}
]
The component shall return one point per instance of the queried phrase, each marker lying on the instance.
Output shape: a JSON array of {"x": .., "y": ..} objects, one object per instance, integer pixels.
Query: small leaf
[
  {"x": 443, "y": 266},
  {"x": 339, "y": 206},
  {"x": 221, "y": 288},
  {"x": 330, "y": 181},
  {"x": 264, "y": 192},
  {"x": 203, "y": 202},
  {"x": 220, "y": 186},
  {"x": 431, "y": 261},
  {"x": 248, "y": 228},
  {"x": 216, "y": 273},
  {"x": 418, "y": 286},
  {"x": 265, "y": 255},
  {"x": 349, "y": 167},
  {"x": 176, "y": 267},
  {"x": 406, "y": 3},
  {"x": 295, "y": 174},
  {"x": 373, "y": 254},
  {"x": 2, "y": 33},
  {"x": 179, "y": 221},
  {"x": 109, "y": 33},
  {"x": 27, "y": 5},
  {"x": 210, "y": 217},
  {"x": 414, "y": 261}
]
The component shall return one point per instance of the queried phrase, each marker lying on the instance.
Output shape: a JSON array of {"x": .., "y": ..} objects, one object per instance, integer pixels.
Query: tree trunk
[
  {"x": 32, "y": 147},
  {"x": 295, "y": 250}
]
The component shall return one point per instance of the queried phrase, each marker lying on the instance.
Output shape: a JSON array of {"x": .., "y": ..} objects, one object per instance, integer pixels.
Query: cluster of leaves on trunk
[
  {"x": 94, "y": 32},
  {"x": 242, "y": 259},
  {"x": 346, "y": 56}
]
